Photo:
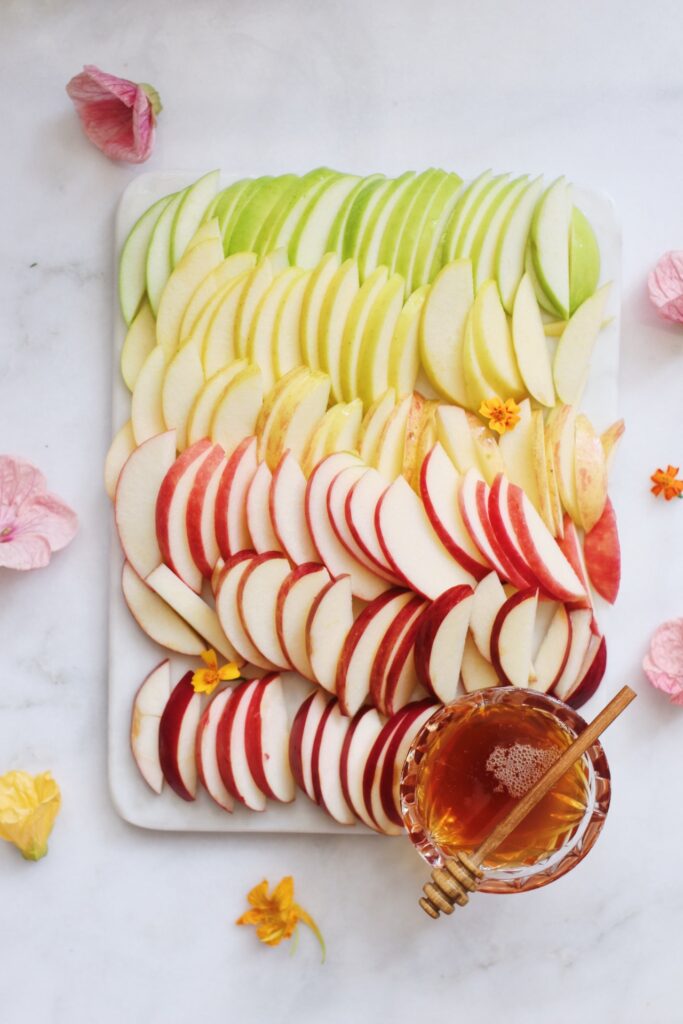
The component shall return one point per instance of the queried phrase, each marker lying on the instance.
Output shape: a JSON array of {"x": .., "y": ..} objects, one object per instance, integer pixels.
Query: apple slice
[
  {"x": 328, "y": 623},
  {"x": 365, "y": 583},
  {"x": 442, "y": 329},
  {"x": 333, "y": 316},
  {"x": 231, "y": 750},
  {"x": 560, "y": 441},
  {"x": 216, "y": 326},
  {"x": 375, "y": 351},
  {"x": 476, "y": 672},
  {"x": 590, "y": 473},
  {"x": 404, "y": 354},
  {"x": 402, "y": 678},
  {"x": 232, "y": 532},
  {"x": 360, "y": 648},
  {"x": 456, "y": 438},
  {"x": 337, "y": 497},
  {"x": 359, "y": 509},
  {"x": 189, "y": 273},
  {"x": 148, "y": 707},
  {"x": 337, "y": 431},
  {"x": 186, "y": 221},
  {"x": 354, "y": 328},
  {"x": 590, "y": 674},
  {"x": 372, "y": 774},
  {"x": 286, "y": 340},
  {"x": 195, "y": 611},
  {"x": 419, "y": 410},
  {"x": 516, "y": 449},
  {"x": 553, "y": 652},
  {"x": 610, "y": 439},
  {"x": 172, "y": 511},
  {"x": 267, "y": 740},
  {"x": 575, "y": 347},
  {"x": 257, "y": 602},
  {"x": 235, "y": 416},
  {"x": 177, "y": 736},
  {"x": 581, "y": 619},
  {"x": 200, "y": 517},
  {"x": 388, "y": 651},
  {"x": 132, "y": 284},
  {"x": 139, "y": 341},
  {"x": 512, "y": 242},
  {"x": 571, "y": 548},
  {"x": 388, "y": 454},
  {"x": 182, "y": 383},
  {"x": 210, "y": 293},
  {"x": 530, "y": 345},
  {"x": 326, "y": 764},
  {"x": 439, "y": 488},
  {"x": 302, "y": 737},
  {"x": 361, "y": 734},
  {"x": 374, "y": 422},
  {"x": 512, "y": 638},
  {"x": 440, "y": 642},
  {"x": 489, "y": 598},
  {"x": 386, "y": 802},
  {"x": 313, "y": 299},
  {"x": 286, "y": 501},
  {"x": 504, "y": 533},
  {"x": 493, "y": 343},
  {"x": 120, "y": 450},
  {"x": 295, "y": 599},
  {"x": 136, "y": 497},
  {"x": 156, "y": 618},
  {"x": 292, "y": 426},
  {"x": 603, "y": 554},
  {"x": 259, "y": 349},
  {"x": 549, "y": 244},
  {"x": 228, "y": 612},
  {"x": 473, "y": 499},
  {"x": 201, "y": 414},
  {"x": 259, "y": 521},
  {"x": 206, "y": 753},
  {"x": 411, "y": 545}
]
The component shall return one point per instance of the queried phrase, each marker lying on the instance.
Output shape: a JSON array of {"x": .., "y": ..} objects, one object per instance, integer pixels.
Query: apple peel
[
  {"x": 117, "y": 115},
  {"x": 663, "y": 664},
  {"x": 665, "y": 286}
]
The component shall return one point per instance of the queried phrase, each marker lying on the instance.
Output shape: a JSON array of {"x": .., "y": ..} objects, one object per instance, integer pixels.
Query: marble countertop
[{"x": 119, "y": 924}]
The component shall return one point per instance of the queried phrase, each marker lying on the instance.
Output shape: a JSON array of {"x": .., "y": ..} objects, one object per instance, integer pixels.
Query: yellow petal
[
  {"x": 28, "y": 808},
  {"x": 229, "y": 672},
  {"x": 283, "y": 894},
  {"x": 258, "y": 897},
  {"x": 209, "y": 658}
]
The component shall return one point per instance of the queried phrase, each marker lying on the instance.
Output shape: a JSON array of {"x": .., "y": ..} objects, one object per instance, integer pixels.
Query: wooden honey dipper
[{"x": 461, "y": 874}]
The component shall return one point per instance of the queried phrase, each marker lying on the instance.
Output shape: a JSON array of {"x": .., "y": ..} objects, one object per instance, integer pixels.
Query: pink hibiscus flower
[
  {"x": 665, "y": 285},
  {"x": 33, "y": 522},
  {"x": 663, "y": 664},
  {"x": 118, "y": 116}
]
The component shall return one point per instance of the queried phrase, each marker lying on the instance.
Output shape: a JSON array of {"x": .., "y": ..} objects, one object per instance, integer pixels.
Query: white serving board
[{"x": 132, "y": 654}]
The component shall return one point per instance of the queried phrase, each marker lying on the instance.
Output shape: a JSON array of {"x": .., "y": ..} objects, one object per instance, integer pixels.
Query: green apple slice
[
  {"x": 543, "y": 300},
  {"x": 486, "y": 242},
  {"x": 333, "y": 317},
  {"x": 227, "y": 200},
  {"x": 201, "y": 413},
  {"x": 259, "y": 349},
  {"x": 278, "y": 229},
  {"x": 256, "y": 210},
  {"x": 549, "y": 243},
  {"x": 404, "y": 354},
  {"x": 373, "y": 424},
  {"x": 308, "y": 243},
  {"x": 235, "y": 415},
  {"x": 575, "y": 347},
  {"x": 368, "y": 250},
  {"x": 311, "y": 306},
  {"x": 487, "y": 199},
  {"x": 468, "y": 198},
  {"x": 335, "y": 240},
  {"x": 388, "y": 454},
  {"x": 133, "y": 260},
  {"x": 158, "y": 264},
  {"x": 190, "y": 211},
  {"x": 287, "y": 330},
  {"x": 373, "y": 359},
  {"x": 412, "y": 203},
  {"x": 183, "y": 380},
  {"x": 216, "y": 325},
  {"x": 493, "y": 343},
  {"x": 146, "y": 414},
  {"x": 455, "y": 436},
  {"x": 354, "y": 330},
  {"x": 190, "y": 272},
  {"x": 231, "y": 206},
  {"x": 140, "y": 339},
  {"x": 415, "y": 263},
  {"x": 530, "y": 345},
  {"x": 361, "y": 212},
  {"x": 512, "y": 243},
  {"x": 584, "y": 260},
  {"x": 212, "y": 284},
  {"x": 442, "y": 330},
  {"x": 477, "y": 386}
]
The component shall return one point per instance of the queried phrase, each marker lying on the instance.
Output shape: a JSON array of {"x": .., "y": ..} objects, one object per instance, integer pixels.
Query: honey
[{"x": 481, "y": 762}]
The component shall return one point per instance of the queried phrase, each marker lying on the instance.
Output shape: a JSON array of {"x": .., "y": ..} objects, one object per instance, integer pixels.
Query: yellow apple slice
[
  {"x": 334, "y": 315},
  {"x": 530, "y": 346},
  {"x": 192, "y": 269},
  {"x": 590, "y": 473},
  {"x": 260, "y": 341},
  {"x": 146, "y": 413},
  {"x": 216, "y": 326},
  {"x": 455, "y": 436},
  {"x": 258, "y": 283},
  {"x": 272, "y": 397},
  {"x": 442, "y": 330},
  {"x": 554, "y": 328},
  {"x": 203, "y": 408},
  {"x": 337, "y": 431},
  {"x": 516, "y": 449},
  {"x": 190, "y": 212},
  {"x": 541, "y": 469},
  {"x": 140, "y": 339},
  {"x": 404, "y": 354},
  {"x": 354, "y": 330},
  {"x": 236, "y": 413},
  {"x": 610, "y": 439},
  {"x": 311, "y": 306},
  {"x": 373, "y": 424},
  {"x": 426, "y": 440},
  {"x": 575, "y": 347},
  {"x": 121, "y": 447},
  {"x": 207, "y": 231},
  {"x": 553, "y": 488},
  {"x": 183, "y": 380},
  {"x": 489, "y": 458},
  {"x": 560, "y": 438},
  {"x": 478, "y": 389},
  {"x": 287, "y": 330},
  {"x": 493, "y": 343},
  {"x": 283, "y": 396},
  {"x": 232, "y": 267},
  {"x": 292, "y": 427},
  {"x": 388, "y": 455},
  {"x": 416, "y": 412},
  {"x": 373, "y": 358}
]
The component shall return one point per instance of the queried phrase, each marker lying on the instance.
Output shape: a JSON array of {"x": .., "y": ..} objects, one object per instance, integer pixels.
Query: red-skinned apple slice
[
  {"x": 489, "y": 598},
  {"x": 401, "y": 678},
  {"x": 148, "y": 707},
  {"x": 177, "y": 735},
  {"x": 171, "y": 513},
  {"x": 365, "y": 584},
  {"x": 512, "y": 638},
  {"x": 439, "y": 488},
  {"x": 363, "y": 730},
  {"x": 476, "y": 672},
  {"x": 337, "y": 496},
  {"x": 411, "y": 545},
  {"x": 287, "y": 511},
  {"x": 602, "y": 553},
  {"x": 302, "y": 737},
  {"x": 386, "y": 804},
  {"x": 590, "y": 674},
  {"x": 360, "y": 649},
  {"x": 267, "y": 740},
  {"x": 441, "y": 640},
  {"x": 228, "y": 612},
  {"x": 257, "y": 604},
  {"x": 570, "y": 546},
  {"x": 136, "y": 498},
  {"x": 389, "y": 646},
  {"x": 326, "y": 764},
  {"x": 473, "y": 498},
  {"x": 259, "y": 523},
  {"x": 156, "y": 618},
  {"x": 329, "y": 621},
  {"x": 232, "y": 532},
  {"x": 231, "y": 748},
  {"x": 553, "y": 652},
  {"x": 360, "y": 508},
  {"x": 501, "y": 524},
  {"x": 547, "y": 562},
  {"x": 201, "y": 512},
  {"x": 372, "y": 774},
  {"x": 581, "y": 619},
  {"x": 206, "y": 753},
  {"x": 295, "y": 599}
]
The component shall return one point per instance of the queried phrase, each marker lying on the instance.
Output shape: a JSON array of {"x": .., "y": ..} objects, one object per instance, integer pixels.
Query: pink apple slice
[
  {"x": 171, "y": 513},
  {"x": 136, "y": 498},
  {"x": 287, "y": 500},
  {"x": 553, "y": 652},
  {"x": 267, "y": 740},
  {"x": 363, "y": 730},
  {"x": 360, "y": 648},
  {"x": 361, "y": 505},
  {"x": 489, "y": 598},
  {"x": 295, "y": 599},
  {"x": 474, "y": 506},
  {"x": 402, "y": 678},
  {"x": 581, "y": 619},
  {"x": 201, "y": 512},
  {"x": 391, "y": 642},
  {"x": 411, "y": 545},
  {"x": 206, "y": 753},
  {"x": 365, "y": 584},
  {"x": 372, "y": 776},
  {"x": 258, "y": 511},
  {"x": 232, "y": 532},
  {"x": 228, "y": 612},
  {"x": 329, "y": 621},
  {"x": 148, "y": 707},
  {"x": 501, "y": 524},
  {"x": 177, "y": 736},
  {"x": 441, "y": 641},
  {"x": 549, "y": 565},
  {"x": 570, "y": 546},
  {"x": 602, "y": 553},
  {"x": 337, "y": 496},
  {"x": 231, "y": 749},
  {"x": 590, "y": 674},
  {"x": 386, "y": 804},
  {"x": 302, "y": 737},
  {"x": 326, "y": 764},
  {"x": 156, "y": 618},
  {"x": 512, "y": 638},
  {"x": 257, "y": 604},
  {"x": 439, "y": 488}
]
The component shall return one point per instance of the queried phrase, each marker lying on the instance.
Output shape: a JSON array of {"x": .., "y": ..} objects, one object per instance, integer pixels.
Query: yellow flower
[
  {"x": 205, "y": 680},
  {"x": 29, "y": 805},
  {"x": 276, "y": 916},
  {"x": 665, "y": 483},
  {"x": 502, "y": 416}
]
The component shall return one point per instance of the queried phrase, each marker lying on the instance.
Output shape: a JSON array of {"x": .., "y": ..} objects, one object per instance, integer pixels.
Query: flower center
[{"x": 5, "y": 534}]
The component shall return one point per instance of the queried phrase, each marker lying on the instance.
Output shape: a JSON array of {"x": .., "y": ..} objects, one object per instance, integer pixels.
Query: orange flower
[
  {"x": 276, "y": 916},
  {"x": 205, "y": 680},
  {"x": 665, "y": 483},
  {"x": 502, "y": 416}
]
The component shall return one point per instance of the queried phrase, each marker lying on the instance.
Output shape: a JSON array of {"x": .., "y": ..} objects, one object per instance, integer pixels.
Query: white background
[{"x": 121, "y": 925}]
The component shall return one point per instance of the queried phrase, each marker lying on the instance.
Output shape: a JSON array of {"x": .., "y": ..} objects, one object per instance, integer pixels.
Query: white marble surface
[{"x": 121, "y": 925}]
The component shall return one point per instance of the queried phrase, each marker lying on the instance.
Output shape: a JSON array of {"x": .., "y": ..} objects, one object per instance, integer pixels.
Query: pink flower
[
  {"x": 663, "y": 664},
  {"x": 33, "y": 522},
  {"x": 118, "y": 116},
  {"x": 665, "y": 285}
]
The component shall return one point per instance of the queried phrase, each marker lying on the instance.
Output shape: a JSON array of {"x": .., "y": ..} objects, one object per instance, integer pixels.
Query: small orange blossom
[
  {"x": 205, "y": 680},
  {"x": 276, "y": 916},
  {"x": 502, "y": 416},
  {"x": 665, "y": 483}
]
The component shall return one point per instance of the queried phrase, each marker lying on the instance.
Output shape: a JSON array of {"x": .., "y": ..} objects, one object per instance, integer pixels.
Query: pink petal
[
  {"x": 19, "y": 481},
  {"x": 27, "y": 551},
  {"x": 666, "y": 647},
  {"x": 55, "y": 521},
  {"x": 116, "y": 114},
  {"x": 665, "y": 285}
]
